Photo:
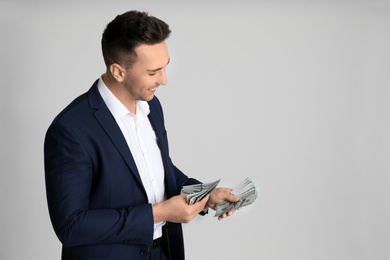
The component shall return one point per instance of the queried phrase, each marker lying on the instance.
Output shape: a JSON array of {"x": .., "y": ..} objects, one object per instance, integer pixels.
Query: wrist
[{"x": 158, "y": 213}]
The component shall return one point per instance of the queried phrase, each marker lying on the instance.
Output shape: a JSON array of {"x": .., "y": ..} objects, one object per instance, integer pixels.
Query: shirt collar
[{"x": 116, "y": 107}]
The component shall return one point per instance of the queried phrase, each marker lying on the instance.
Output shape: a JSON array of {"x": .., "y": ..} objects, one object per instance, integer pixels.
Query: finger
[
  {"x": 183, "y": 196},
  {"x": 222, "y": 216},
  {"x": 232, "y": 198},
  {"x": 230, "y": 213}
]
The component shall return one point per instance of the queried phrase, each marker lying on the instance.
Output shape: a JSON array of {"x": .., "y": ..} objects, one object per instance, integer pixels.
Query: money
[
  {"x": 197, "y": 192},
  {"x": 246, "y": 191}
]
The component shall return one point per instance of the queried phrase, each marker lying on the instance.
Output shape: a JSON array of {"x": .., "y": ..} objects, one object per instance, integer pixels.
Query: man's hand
[
  {"x": 220, "y": 195},
  {"x": 177, "y": 210}
]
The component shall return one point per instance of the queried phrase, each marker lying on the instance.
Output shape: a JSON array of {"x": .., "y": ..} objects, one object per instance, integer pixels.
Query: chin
[{"x": 148, "y": 98}]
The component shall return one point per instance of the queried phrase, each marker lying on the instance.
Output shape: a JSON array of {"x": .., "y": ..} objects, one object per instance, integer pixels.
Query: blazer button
[{"x": 143, "y": 252}]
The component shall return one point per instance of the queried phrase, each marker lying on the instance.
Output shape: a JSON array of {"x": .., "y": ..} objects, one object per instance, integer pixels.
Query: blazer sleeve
[
  {"x": 69, "y": 177},
  {"x": 183, "y": 179}
]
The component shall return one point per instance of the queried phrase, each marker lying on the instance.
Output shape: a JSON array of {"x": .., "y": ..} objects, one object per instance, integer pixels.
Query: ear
[{"x": 118, "y": 72}]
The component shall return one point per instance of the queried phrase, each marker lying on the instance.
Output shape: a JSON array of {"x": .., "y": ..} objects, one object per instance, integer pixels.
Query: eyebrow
[{"x": 155, "y": 70}]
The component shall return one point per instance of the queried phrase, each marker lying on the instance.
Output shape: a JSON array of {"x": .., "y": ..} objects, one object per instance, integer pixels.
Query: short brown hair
[{"x": 127, "y": 31}]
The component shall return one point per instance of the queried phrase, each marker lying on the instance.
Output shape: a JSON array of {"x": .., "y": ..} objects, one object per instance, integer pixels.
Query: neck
[{"x": 119, "y": 92}]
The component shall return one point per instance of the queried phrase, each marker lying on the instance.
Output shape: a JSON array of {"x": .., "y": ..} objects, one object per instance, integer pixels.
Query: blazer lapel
[
  {"x": 108, "y": 123},
  {"x": 159, "y": 129}
]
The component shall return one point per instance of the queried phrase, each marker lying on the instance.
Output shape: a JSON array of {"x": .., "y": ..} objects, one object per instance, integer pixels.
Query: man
[{"x": 112, "y": 189}]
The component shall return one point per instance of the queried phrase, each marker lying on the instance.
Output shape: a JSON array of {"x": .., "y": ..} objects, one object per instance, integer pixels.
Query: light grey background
[{"x": 292, "y": 94}]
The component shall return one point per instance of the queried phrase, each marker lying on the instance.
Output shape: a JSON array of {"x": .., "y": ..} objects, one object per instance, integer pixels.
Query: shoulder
[
  {"x": 81, "y": 108},
  {"x": 74, "y": 111}
]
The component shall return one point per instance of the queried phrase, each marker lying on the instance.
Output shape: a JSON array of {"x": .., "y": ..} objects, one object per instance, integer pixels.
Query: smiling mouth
[{"x": 152, "y": 90}]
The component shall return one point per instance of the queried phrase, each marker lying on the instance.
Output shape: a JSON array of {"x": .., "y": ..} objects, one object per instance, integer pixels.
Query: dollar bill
[
  {"x": 199, "y": 191},
  {"x": 246, "y": 191}
]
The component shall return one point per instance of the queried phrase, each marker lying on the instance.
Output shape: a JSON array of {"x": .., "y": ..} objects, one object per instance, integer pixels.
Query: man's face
[{"x": 148, "y": 72}]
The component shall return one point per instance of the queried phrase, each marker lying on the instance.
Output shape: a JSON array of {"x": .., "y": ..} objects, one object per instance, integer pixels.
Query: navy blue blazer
[{"x": 97, "y": 203}]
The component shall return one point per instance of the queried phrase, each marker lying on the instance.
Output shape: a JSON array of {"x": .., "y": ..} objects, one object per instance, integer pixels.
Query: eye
[{"x": 152, "y": 74}]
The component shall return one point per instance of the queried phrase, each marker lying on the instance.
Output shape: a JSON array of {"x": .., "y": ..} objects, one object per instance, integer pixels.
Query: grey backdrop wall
[{"x": 292, "y": 94}]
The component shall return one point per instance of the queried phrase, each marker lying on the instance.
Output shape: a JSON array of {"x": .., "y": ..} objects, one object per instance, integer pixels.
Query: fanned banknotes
[
  {"x": 246, "y": 191},
  {"x": 197, "y": 192}
]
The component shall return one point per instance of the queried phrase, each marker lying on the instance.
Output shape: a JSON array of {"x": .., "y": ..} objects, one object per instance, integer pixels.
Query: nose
[{"x": 162, "y": 78}]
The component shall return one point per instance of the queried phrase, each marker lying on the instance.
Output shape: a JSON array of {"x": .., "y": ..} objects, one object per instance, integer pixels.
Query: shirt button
[{"x": 143, "y": 252}]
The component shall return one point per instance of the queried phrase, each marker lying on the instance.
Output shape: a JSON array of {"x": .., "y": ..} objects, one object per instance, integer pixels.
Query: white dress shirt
[{"x": 142, "y": 141}]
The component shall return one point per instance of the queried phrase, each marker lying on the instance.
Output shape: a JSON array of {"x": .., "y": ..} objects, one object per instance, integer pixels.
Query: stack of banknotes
[
  {"x": 197, "y": 192},
  {"x": 246, "y": 191}
]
